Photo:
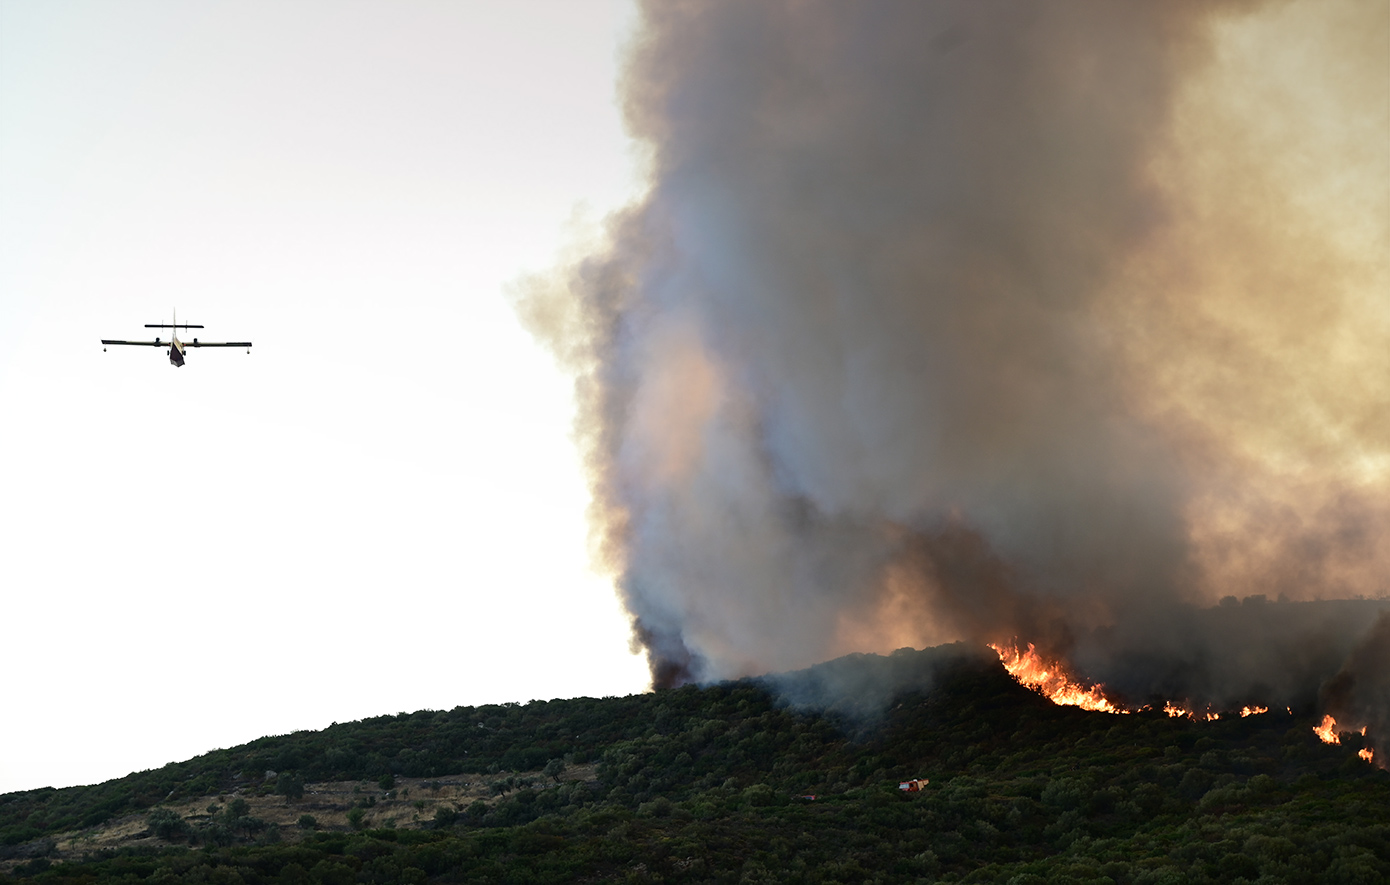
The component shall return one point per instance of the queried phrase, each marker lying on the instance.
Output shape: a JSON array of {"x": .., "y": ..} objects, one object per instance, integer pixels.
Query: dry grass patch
[{"x": 410, "y": 804}]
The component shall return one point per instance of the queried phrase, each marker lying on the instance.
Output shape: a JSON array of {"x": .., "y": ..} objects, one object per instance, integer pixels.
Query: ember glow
[
  {"x": 1050, "y": 679},
  {"x": 1175, "y": 710}
]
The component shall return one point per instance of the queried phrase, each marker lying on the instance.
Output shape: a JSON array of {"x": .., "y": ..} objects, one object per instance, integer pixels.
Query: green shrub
[
  {"x": 168, "y": 824},
  {"x": 291, "y": 786}
]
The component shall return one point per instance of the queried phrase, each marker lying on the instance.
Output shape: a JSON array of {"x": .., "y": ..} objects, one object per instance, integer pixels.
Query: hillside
[{"x": 715, "y": 784}]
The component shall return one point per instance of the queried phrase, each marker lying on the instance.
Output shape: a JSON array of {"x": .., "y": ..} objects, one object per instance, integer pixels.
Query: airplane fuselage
[{"x": 176, "y": 351}]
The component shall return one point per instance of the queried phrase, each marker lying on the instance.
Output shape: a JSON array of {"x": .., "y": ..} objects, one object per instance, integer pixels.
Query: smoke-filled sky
[{"x": 986, "y": 320}]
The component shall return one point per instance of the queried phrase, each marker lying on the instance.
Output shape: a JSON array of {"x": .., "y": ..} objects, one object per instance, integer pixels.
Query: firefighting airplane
[{"x": 177, "y": 347}]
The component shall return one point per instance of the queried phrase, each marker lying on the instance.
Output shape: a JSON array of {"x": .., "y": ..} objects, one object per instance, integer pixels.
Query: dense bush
[{"x": 713, "y": 784}]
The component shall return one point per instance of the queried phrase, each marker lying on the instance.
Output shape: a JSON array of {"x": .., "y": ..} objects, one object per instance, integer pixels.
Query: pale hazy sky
[{"x": 377, "y": 510}]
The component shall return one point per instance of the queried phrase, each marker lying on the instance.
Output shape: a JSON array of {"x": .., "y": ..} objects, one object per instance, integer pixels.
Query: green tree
[
  {"x": 553, "y": 769},
  {"x": 291, "y": 786},
  {"x": 167, "y": 824}
]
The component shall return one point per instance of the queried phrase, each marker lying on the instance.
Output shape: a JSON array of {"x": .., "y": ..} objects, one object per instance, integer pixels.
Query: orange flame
[
  {"x": 1327, "y": 732},
  {"x": 1175, "y": 710},
  {"x": 1051, "y": 680}
]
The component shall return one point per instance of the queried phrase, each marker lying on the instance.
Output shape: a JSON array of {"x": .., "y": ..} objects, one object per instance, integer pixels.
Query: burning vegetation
[
  {"x": 1176, "y": 710},
  {"x": 1328, "y": 733},
  {"x": 1051, "y": 679}
]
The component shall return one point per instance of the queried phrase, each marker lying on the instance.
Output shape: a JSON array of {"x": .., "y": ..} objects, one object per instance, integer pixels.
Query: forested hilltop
[{"x": 729, "y": 783}]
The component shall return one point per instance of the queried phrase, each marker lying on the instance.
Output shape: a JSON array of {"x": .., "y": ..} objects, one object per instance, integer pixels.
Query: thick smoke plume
[{"x": 982, "y": 320}]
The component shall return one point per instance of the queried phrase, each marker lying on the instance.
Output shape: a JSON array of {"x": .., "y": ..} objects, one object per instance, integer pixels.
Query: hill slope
[{"x": 710, "y": 784}]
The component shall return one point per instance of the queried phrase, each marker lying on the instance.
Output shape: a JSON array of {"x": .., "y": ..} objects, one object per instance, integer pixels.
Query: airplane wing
[
  {"x": 216, "y": 343},
  {"x": 137, "y": 343}
]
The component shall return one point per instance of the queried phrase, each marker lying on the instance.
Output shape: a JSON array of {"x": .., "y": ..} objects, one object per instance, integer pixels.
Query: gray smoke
[
  {"x": 982, "y": 320},
  {"x": 1358, "y": 697},
  {"x": 1255, "y": 652}
]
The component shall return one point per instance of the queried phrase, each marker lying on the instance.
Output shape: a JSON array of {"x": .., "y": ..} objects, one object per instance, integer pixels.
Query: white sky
[{"x": 379, "y": 509}]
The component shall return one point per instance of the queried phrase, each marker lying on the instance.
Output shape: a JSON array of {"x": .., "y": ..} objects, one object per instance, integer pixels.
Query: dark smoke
[
  {"x": 1359, "y": 695},
  {"x": 981, "y": 320},
  {"x": 1254, "y": 652}
]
